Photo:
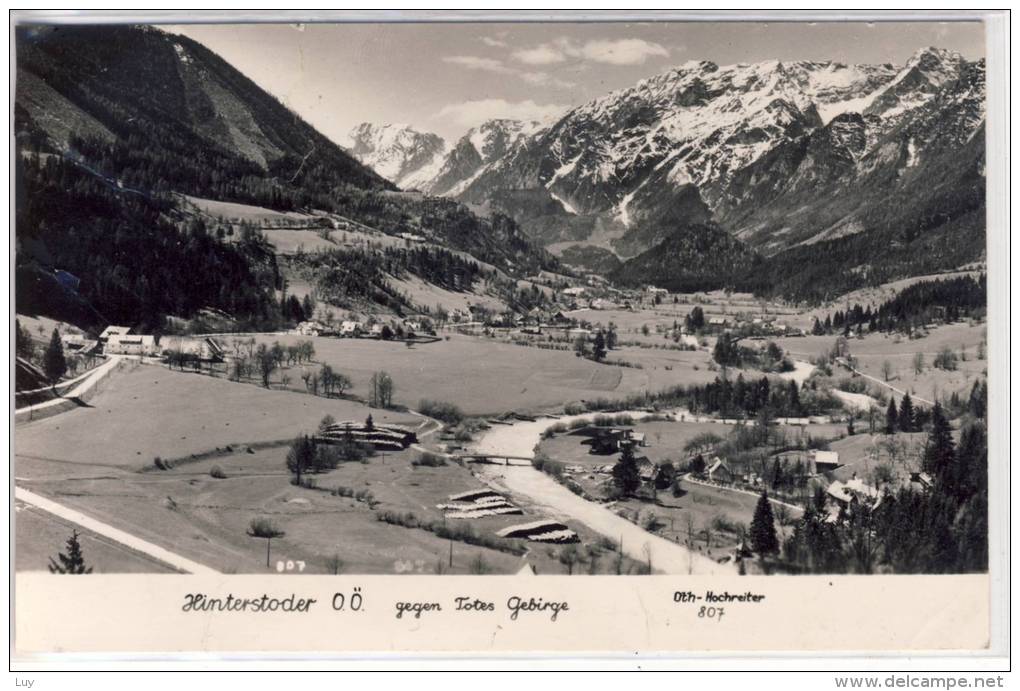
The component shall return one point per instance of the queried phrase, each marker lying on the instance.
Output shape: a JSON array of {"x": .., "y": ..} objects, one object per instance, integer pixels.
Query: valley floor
[{"x": 222, "y": 446}]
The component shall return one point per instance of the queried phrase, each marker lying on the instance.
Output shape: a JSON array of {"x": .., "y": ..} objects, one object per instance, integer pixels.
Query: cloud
[
  {"x": 493, "y": 42},
  {"x": 471, "y": 113},
  {"x": 546, "y": 54},
  {"x": 628, "y": 51},
  {"x": 474, "y": 62},
  {"x": 625, "y": 51},
  {"x": 545, "y": 79}
]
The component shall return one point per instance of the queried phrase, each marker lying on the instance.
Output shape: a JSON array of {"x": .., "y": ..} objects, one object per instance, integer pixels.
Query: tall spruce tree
[
  {"x": 906, "y": 414},
  {"x": 891, "y": 423},
  {"x": 626, "y": 476},
  {"x": 763, "y": 527},
  {"x": 938, "y": 456},
  {"x": 73, "y": 562},
  {"x": 54, "y": 364},
  {"x": 598, "y": 351}
]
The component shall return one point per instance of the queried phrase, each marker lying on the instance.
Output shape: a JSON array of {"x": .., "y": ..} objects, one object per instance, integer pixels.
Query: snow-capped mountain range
[
  {"x": 398, "y": 152},
  {"x": 745, "y": 146},
  {"x": 424, "y": 161}
]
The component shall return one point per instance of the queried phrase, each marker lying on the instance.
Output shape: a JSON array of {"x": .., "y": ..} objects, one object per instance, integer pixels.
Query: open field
[
  {"x": 151, "y": 411},
  {"x": 875, "y": 349},
  {"x": 290, "y": 241},
  {"x": 482, "y": 376},
  {"x": 41, "y": 535},
  {"x": 428, "y": 295},
  {"x": 232, "y": 211},
  {"x": 92, "y": 459},
  {"x": 205, "y": 519}
]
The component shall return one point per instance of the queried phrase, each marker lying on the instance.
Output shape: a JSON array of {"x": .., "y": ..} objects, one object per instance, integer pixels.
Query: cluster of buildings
[
  {"x": 352, "y": 328},
  {"x": 118, "y": 340}
]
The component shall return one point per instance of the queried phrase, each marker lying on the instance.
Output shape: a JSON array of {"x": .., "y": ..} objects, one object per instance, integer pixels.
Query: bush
[
  {"x": 217, "y": 472},
  {"x": 946, "y": 359},
  {"x": 723, "y": 524},
  {"x": 429, "y": 460},
  {"x": 440, "y": 410},
  {"x": 547, "y": 465},
  {"x": 458, "y": 532}
]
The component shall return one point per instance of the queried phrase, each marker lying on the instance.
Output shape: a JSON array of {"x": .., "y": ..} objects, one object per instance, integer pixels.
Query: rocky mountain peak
[{"x": 397, "y": 151}]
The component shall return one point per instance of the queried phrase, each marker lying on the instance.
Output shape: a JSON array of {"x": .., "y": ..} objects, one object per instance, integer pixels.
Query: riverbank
[{"x": 532, "y": 486}]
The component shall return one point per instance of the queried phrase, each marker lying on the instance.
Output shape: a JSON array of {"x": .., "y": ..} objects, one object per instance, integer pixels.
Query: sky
[{"x": 446, "y": 78}]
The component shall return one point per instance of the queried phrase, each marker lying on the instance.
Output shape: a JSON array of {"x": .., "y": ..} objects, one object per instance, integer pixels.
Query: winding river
[{"x": 521, "y": 479}]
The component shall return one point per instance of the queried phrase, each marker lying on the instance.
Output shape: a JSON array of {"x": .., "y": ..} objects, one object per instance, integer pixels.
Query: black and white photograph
[
  {"x": 416, "y": 332},
  {"x": 512, "y": 298}
]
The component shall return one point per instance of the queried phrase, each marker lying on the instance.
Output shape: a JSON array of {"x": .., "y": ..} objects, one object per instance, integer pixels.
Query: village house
[
  {"x": 825, "y": 461},
  {"x": 719, "y": 472},
  {"x": 78, "y": 343},
  {"x": 351, "y": 329},
  {"x": 853, "y": 490},
  {"x": 204, "y": 348},
  {"x": 113, "y": 331},
  {"x": 130, "y": 344},
  {"x": 608, "y": 440},
  {"x": 603, "y": 304},
  {"x": 310, "y": 328}
]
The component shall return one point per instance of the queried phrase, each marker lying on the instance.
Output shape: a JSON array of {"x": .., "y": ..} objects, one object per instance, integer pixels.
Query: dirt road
[{"x": 108, "y": 531}]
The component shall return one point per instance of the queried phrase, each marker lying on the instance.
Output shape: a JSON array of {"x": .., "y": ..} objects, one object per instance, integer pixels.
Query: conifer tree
[
  {"x": 54, "y": 364},
  {"x": 891, "y": 424},
  {"x": 939, "y": 451},
  {"x": 73, "y": 562},
  {"x": 626, "y": 475},
  {"x": 763, "y": 527},
  {"x": 906, "y": 414},
  {"x": 599, "y": 347}
]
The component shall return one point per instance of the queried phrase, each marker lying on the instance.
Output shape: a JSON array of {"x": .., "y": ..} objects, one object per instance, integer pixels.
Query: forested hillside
[{"x": 138, "y": 116}]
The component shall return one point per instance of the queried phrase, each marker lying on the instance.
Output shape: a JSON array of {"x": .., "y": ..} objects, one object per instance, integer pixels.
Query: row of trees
[
  {"x": 250, "y": 357},
  {"x": 729, "y": 353},
  {"x": 919, "y": 304}
]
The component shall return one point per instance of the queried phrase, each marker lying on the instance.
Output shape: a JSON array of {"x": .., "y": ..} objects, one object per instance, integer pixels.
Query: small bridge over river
[{"x": 494, "y": 459}]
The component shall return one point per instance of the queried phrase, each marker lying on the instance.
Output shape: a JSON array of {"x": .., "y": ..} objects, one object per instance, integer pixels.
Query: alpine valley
[
  {"x": 802, "y": 179},
  {"x": 729, "y": 320}
]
